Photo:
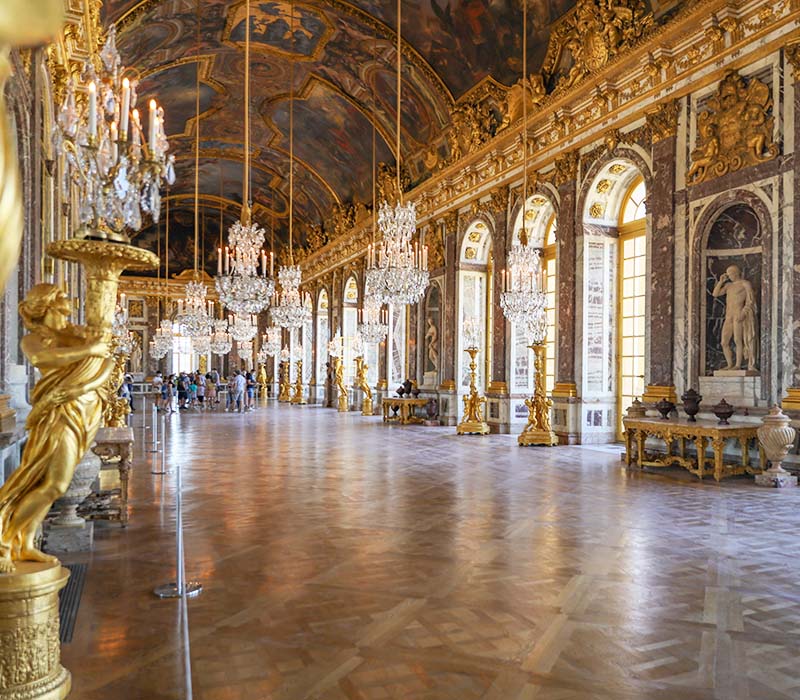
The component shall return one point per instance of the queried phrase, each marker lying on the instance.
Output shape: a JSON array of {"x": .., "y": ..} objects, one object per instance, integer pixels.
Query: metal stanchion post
[
  {"x": 154, "y": 414},
  {"x": 144, "y": 416},
  {"x": 181, "y": 588},
  {"x": 163, "y": 441}
]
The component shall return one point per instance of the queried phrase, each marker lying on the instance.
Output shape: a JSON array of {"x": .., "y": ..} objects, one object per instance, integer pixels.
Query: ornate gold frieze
[
  {"x": 735, "y": 131},
  {"x": 472, "y": 125},
  {"x": 792, "y": 53},
  {"x": 566, "y": 168},
  {"x": 533, "y": 88}
]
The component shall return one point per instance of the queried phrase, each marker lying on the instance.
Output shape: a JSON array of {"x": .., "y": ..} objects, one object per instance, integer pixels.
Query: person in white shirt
[
  {"x": 238, "y": 396},
  {"x": 155, "y": 385}
]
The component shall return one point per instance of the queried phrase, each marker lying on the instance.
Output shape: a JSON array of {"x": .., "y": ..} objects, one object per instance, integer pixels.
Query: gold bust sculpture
[{"x": 67, "y": 400}]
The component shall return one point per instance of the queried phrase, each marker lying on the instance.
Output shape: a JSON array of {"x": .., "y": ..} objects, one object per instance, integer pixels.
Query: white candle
[
  {"x": 271, "y": 264},
  {"x": 92, "y": 110},
  {"x": 126, "y": 106},
  {"x": 114, "y": 139},
  {"x": 219, "y": 262},
  {"x": 263, "y": 263},
  {"x": 153, "y": 125},
  {"x": 137, "y": 128}
]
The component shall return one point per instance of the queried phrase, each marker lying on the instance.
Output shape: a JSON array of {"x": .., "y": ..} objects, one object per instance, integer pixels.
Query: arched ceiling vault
[{"x": 344, "y": 56}]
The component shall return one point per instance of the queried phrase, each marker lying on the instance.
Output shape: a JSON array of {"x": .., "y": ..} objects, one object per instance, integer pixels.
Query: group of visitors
[{"x": 198, "y": 391}]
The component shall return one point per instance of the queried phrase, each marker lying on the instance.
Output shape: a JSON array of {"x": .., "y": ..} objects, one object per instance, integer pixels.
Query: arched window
[
  {"x": 474, "y": 298},
  {"x": 349, "y": 326},
  {"x": 308, "y": 339},
  {"x": 323, "y": 335},
  {"x": 632, "y": 297},
  {"x": 549, "y": 278}
]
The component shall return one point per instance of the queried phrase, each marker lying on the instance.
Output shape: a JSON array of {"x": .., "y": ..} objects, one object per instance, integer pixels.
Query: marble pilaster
[
  {"x": 566, "y": 264},
  {"x": 449, "y": 324}
]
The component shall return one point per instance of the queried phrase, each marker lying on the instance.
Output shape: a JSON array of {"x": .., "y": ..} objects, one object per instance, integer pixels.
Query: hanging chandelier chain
[{"x": 246, "y": 184}]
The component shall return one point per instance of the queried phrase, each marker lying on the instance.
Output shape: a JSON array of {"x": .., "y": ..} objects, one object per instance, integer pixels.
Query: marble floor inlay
[{"x": 345, "y": 559}]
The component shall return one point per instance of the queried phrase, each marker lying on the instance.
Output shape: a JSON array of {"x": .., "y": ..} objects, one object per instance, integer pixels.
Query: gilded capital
[
  {"x": 566, "y": 168},
  {"x": 662, "y": 122},
  {"x": 792, "y": 53}
]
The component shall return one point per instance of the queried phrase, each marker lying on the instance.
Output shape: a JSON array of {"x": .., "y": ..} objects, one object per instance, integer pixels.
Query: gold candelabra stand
[
  {"x": 338, "y": 373},
  {"x": 538, "y": 430},
  {"x": 298, "y": 398},
  {"x": 361, "y": 381},
  {"x": 68, "y": 404},
  {"x": 284, "y": 393},
  {"x": 472, "y": 423}
]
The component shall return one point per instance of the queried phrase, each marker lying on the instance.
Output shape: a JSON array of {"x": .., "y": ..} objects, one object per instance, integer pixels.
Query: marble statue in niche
[
  {"x": 733, "y": 270},
  {"x": 741, "y": 313},
  {"x": 431, "y": 346},
  {"x": 432, "y": 350}
]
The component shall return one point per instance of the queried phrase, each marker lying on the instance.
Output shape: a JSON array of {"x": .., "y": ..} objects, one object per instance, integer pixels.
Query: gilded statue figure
[
  {"x": 741, "y": 315},
  {"x": 340, "y": 378},
  {"x": 361, "y": 377},
  {"x": 535, "y": 91},
  {"x": 67, "y": 401}
]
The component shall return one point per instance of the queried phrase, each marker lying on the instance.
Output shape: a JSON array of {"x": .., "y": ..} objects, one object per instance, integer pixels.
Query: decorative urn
[
  {"x": 691, "y": 404},
  {"x": 776, "y": 436},
  {"x": 665, "y": 407},
  {"x": 636, "y": 410},
  {"x": 723, "y": 410}
]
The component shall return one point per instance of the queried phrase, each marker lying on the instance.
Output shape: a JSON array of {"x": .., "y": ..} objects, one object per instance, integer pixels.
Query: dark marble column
[
  {"x": 661, "y": 208},
  {"x": 499, "y": 323},
  {"x": 793, "y": 402},
  {"x": 449, "y": 322},
  {"x": 566, "y": 173}
]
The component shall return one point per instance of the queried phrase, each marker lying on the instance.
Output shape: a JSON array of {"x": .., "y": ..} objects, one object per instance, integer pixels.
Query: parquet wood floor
[{"x": 344, "y": 559}]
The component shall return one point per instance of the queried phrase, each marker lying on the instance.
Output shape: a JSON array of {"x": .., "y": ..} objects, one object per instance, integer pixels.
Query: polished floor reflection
[{"x": 348, "y": 560}]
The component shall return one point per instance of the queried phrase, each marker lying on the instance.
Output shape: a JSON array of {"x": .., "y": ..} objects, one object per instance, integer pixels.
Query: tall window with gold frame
[
  {"x": 631, "y": 309},
  {"x": 549, "y": 267}
]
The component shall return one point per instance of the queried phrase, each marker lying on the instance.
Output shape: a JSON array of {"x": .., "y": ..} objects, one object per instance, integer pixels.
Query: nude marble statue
[{"x": 740, "y": 319}]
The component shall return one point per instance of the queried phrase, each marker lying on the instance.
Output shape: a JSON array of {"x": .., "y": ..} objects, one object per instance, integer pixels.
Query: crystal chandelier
[
  {"x": 398, "y": 274},
  {"x": 523, "y": 302},
  {"x": 285, "y": 354},
  {"x": 373, "y": 328},
  {"x": 336, "y": 346},
  {"x": 241, "y": 288},
  {"x": 289, "y": 311},
  {"x": 242, "y": 328},
  {"x": 122, "y": 337},
  {"x": 221, "y": 341},
  {"x": 193, "y": 314},
  {"x": 116, "y": 170},
  {"x": 262, "y": 356},
  {"x": 272, "y": 341},
  {"x": 201, "y": 344},
  {"x": 161, "y": 345},
  {"x": 244, "y": 349}
]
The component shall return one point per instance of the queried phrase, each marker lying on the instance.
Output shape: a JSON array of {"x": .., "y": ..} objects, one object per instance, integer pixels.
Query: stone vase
[
  {"x": 86, "y": 472},
  {"x": 776, "y": 436},
  {"x": 691, "y": 404}
]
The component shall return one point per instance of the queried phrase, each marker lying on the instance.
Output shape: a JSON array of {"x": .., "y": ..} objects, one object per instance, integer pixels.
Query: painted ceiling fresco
[{"x": 343, "y": 58}]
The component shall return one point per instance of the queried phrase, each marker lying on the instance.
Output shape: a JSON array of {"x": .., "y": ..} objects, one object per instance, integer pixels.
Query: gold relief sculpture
[
  {"x": 538, "y": 430},
  {"x": 735, "y": 131},
  {"x": 475, "y": 236},
  {"x": 535, "y": 91},
  {"x": 435, "y": 242},
  {"x": 566, "y": 169},
  {"x": 471, "y": 253},
  {"x": 386, "y": 182},
  {"x": 597, "y": 210},
  {"x": 792, "y": 53},
  {"x": 603, "y": 186},
  {"x": 299, "y": 398},
  {"x": 472, "y": 124},
  {"x": 663, "y": 121},
  {"x": 362, "y": 383},
  {"x": 595, "y": 32}
]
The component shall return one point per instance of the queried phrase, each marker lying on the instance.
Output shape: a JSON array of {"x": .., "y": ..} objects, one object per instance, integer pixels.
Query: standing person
[
  {"x": 183, "y": 390},
  {"x": 229, "y": 403},
  {"x": 129, "y": 385},
  {"x": 156, "y": 386},
  {"x": 215, "y": 380},
  {"x": 211, "y": 392},
  {"x": 250, "y": 383},
  {"x": 192, "y": 391},
  {"x": 240, "y": 384},
  {"x": 200, "y": 380},
  {"x": 168, "y": 393}
]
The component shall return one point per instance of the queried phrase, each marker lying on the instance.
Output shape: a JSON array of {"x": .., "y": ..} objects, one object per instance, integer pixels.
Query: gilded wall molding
[{"x": 662, "y": 122}]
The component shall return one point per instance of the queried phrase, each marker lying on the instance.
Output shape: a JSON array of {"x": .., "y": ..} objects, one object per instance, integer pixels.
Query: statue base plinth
[
  {"x": 776, "y": 479},
  {"x": 30, "y": 651},
  {"x": 342, "y": 404},
  {"x": 537, "y": 437},
  {"x": 366, "y": 407},
  {"x": 472, "y": 428},
  {"x": 299, "y": 400},
  {"x": 737, "y": 373}
]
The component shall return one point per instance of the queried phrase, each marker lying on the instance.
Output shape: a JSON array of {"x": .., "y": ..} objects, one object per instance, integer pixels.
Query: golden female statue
[{"x": 67, "y": 408}]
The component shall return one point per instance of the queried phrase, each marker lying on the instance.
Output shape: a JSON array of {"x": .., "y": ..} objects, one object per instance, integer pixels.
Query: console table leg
[
  {"x": 640, "y": 448},
  {"x": 719, "y": 445},
  {"x": 700, "y": 444},
  {"x": 628, "y": 447}
]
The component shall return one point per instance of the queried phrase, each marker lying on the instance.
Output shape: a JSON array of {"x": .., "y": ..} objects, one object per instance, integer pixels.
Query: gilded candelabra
[
  {"x": 338, "y": 373},
  {"x": 284, "y": 388},
  {"x": 538, "y": 430},
  {"x": 116, "y": 408},
  {"x": 472, "y": 422},
  {"x": 363, "y": 384},
  {"x": 299, "y": 398}
]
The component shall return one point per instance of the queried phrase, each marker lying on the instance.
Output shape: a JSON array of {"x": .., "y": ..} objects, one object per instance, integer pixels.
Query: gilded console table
[
  {"x": 114, "y": 446},
  {"x": 703, "y": 433},
  {"x": 407, "y": 408}
]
